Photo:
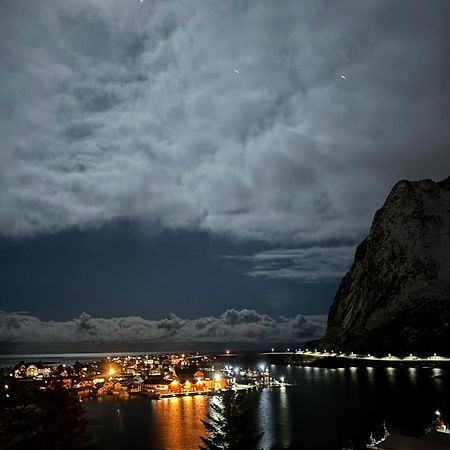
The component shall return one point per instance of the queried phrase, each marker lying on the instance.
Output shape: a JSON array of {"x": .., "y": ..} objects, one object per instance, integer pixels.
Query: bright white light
[
  {"x": 217, "y": 377},
  {"x": 273, "y": 349},
  {"x": 343, "y": 77},
  {"x": 438, "y": 413},
  {"x": 282, "y": 379},
  {"x": 237, "y": 71}
]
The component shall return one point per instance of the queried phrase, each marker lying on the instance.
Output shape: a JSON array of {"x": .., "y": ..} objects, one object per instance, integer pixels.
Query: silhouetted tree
[
  {"x": 51, "y": 419},
  {"x": 230, "y": 424}
]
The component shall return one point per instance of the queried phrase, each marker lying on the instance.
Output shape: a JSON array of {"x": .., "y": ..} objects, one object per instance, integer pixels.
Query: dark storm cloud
[
  {"x": 313, "y": 264},
  {"x": 232, "y": 326},
  {"x": 230, "y": 117}
]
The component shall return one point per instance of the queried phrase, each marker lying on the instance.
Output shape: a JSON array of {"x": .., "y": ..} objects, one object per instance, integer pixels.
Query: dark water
[{"x": 326, "y": 409}]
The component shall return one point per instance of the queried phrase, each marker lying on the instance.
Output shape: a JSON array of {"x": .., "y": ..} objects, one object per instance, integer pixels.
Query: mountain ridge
[{"x": 396, "y": 295}]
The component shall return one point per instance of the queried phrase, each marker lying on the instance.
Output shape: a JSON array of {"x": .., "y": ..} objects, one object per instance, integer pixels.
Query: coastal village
[
  {"x": 172, "y": 375},
  {"x": 153, "y": 376}
]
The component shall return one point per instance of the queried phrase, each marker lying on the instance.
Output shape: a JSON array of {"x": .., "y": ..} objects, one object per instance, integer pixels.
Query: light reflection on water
[
  {"x": 390, "y": 373},
  {"x": 177, "y": 421},
  {"x": 285, "y": 417},
  {"x": 274, "y": 418},
  {"x": 412, "y": 372},
  {"x": 370, "y": 376},
  {"x": 348, "y": 402}
]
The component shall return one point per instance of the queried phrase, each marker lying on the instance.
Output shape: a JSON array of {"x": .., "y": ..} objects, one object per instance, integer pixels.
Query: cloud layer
[
  {"x": 232, "y": 326},
  {"x": 230, "y": 117},
  {"x": 313, "y": 264}
]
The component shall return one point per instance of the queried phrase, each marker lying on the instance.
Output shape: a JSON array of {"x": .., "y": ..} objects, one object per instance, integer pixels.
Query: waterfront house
[{"x": 156, "y": 384}]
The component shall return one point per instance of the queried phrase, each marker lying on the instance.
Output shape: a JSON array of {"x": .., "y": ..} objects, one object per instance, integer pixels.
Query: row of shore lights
[{"x": 351, "y": 354}]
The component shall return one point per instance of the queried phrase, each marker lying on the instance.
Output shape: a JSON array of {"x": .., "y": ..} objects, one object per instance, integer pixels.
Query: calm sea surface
[{"x": 324, "y": 410}]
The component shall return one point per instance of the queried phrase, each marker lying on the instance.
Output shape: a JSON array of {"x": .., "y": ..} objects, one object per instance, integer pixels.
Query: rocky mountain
[{"x": 396, "y": 296}]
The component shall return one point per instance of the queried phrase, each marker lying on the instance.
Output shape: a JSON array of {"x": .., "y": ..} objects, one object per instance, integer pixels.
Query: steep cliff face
[{"x": 396, "y": 296}]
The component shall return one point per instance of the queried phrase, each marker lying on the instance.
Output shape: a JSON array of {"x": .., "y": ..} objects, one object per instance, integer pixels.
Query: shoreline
[{"x": 294, "y": 358}]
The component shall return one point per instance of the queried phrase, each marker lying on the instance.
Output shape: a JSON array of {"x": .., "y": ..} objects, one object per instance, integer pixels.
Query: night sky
[{"x": 191, "y": 165}]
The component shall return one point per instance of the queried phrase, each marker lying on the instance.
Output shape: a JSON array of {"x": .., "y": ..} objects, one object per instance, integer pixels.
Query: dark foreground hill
[{"x": 396, "y": 296}]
